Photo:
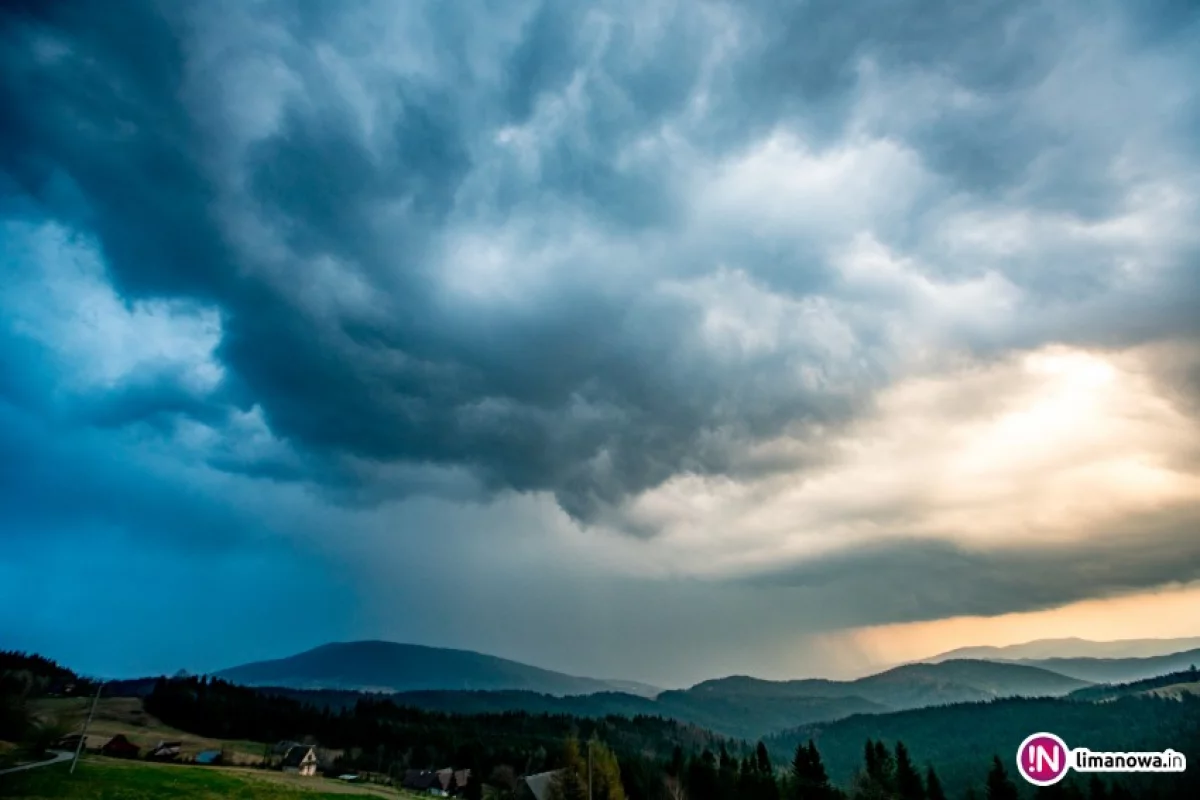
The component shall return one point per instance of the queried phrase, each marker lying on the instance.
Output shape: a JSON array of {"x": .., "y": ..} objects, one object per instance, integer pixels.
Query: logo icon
[{"x": 1042, "y": 759}]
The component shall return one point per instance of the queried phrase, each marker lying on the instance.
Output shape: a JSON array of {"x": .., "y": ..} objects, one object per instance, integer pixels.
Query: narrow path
[{"x": 59, "y": 756}]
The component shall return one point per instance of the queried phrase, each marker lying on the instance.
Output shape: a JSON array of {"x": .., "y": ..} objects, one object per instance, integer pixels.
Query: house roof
[
  {"x": 295, "y": 756},
  {"x": 539, "y": 784},
  {"x": 119, "y": 742},
  {"x": 421, "y": 779}
]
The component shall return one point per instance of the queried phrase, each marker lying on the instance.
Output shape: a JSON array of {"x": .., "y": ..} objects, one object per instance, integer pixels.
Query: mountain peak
[{"x": 382, "y": 666}]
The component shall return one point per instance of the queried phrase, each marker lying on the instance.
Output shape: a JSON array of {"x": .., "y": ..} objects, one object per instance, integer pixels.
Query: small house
[
  {"x": 537, "y": 787},
  {"x": 453, "y": 782},
  {"x": 423, "y": 781},
  {"x": 120, "y": 747},
  {"x": 302, "y": 760},
  {"x": 165, "y": 751}
]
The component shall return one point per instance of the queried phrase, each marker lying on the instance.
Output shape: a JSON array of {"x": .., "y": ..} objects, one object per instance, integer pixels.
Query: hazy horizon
[{"x": 656, "y": 341}]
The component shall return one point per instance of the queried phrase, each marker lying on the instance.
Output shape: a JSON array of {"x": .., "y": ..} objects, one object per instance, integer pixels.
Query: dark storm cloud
[
  {"x": 592, "y": 395},
  {"x": 911, "y": 580}
]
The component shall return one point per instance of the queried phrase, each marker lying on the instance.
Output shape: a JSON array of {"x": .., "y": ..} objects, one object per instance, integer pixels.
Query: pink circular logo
[{"x": 1042, "y": 759}]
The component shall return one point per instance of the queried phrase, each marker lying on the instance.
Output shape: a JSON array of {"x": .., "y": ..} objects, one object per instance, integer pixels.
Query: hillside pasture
[
  {"x": 126, "y": 715},
  {"x": 99, "y": 778}
]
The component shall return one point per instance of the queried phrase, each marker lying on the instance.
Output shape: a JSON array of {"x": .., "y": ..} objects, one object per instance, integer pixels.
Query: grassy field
[
  {"x": 125, "y": 715},
  {"x": 1175, "y": 690},
  {"x": 111, "y": 779}
]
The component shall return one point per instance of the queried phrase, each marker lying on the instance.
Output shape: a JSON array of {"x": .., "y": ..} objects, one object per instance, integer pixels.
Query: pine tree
[
  {"x": 727, "y": 775},
  {"x": 933, "y": 786},
  {"x": 701, "y": 782},
  {"x": 675, "y": 770},
  {"x": 570, "y": 783},
  {"x": 869, "y": 759},
  {"x": 1096, "y": 789},
  {"x": 606, "y": 774},
  {"x": 908, "y": 780},
  {"x": 801, "y": 767},
  {"x": 809, "y": 779},
  {"x": 817, "y": 767},
  {"x": 999, "y": 785},
  {"x": 885, "y": 767},
  {"x": 765, "y": 787},
  {"x": 763, "y": 760}
]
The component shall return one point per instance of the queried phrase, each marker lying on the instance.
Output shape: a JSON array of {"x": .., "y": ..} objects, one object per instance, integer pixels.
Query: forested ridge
[{"x": 959, "y": 751}]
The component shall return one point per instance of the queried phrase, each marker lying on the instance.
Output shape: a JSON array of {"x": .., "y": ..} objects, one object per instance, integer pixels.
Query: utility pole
[{"x": 86, "y": 725}]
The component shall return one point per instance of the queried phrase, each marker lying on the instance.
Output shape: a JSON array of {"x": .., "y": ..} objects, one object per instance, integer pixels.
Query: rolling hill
[
  {"x": 375, "y": 666},
  {"x": 1072, "y": 648},
  {"x": 961, "y": 739},
  {"x": 1117, "y": 670},
  {"x": 908, "y": 686},
  {"x": 462, "y": 682},
  {"x": 746, "y": 718},
  {"x": 1173, "y": 684}
]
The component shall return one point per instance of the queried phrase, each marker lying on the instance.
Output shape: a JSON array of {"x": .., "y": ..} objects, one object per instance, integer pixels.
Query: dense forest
[
  {"x": 1110, "y": 691},
  {"x": 380, "y": 736},
  {"x": 961, "y": 739},
  {"x": 739, "y": 717},
  {"x": 962, "y": 751},
  {"x": 24, "y": 676}
]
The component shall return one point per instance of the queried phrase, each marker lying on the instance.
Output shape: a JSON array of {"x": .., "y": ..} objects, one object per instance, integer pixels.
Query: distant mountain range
[
  {"x": 909, "y": 686},
  {"x": 375, "y": 666},
  {"x": 1073, "y": 648},
  {"x": 1117, "y": 670},
  {"x": 960, "y": 739},
  {"x": 1172, "y": 685},
  {"x": 464, "y": 682},
  {"x": 1095, "y": 662}
]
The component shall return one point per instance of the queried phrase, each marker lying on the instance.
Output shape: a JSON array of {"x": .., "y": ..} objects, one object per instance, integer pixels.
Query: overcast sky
[{"x": 651, "y": 339}]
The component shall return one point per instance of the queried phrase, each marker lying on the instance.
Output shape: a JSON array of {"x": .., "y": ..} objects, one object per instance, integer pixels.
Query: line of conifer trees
[{"x": 886, "y": 774}]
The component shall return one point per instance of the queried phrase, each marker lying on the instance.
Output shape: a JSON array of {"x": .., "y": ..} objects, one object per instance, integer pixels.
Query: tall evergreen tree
[
  {"x": 908, "y": 780},
  {"x": 727, "y": 775},
  {"x": 933, "y": 785},
  {"x": 765, "y": 785},
  {"x": 809, "y": 779},
  {"x": 570, "y": 783},
  {"x": 1096, "y": 789},
  {"x": 606, "y": 774},
  {"x": 869, "y": 759},
  {"x": 701, "y": 782},
  {"x": 999, "y": 785},
  {"x": 675, "y": 769},
  {"x": 763, "y": 760},
  {"x": 874, "y": 782},
  {"x": 885, "y": 768}
]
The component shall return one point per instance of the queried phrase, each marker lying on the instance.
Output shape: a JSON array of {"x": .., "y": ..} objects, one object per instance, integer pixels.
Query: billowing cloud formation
[{"x": 793, "y": 293}]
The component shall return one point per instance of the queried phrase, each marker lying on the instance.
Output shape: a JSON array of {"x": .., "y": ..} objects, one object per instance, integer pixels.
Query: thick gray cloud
[
  {"x": 917, "y": 581},
  {"x": 590, "y": 394},
  {"x": 391, "y": 251}
]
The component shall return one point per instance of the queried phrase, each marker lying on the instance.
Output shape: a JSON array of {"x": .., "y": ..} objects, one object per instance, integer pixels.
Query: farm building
[
  {"x": 301, "y": 759},
  {"x": 165, "y": 751},
  {"x": 119, "y": 747}
]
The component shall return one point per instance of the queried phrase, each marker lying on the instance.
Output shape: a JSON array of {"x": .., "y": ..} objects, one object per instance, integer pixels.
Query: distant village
[{"x": 305, "y": 760}]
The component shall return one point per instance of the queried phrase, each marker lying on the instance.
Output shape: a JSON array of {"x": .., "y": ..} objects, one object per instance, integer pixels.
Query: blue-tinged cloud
[{"x": 760, "y": 282}]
